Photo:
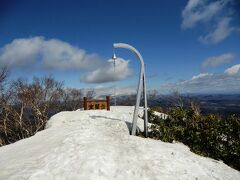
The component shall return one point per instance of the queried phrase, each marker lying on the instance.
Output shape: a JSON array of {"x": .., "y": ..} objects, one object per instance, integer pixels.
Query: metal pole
[
  {"x": 141, "y": 83},
  {"x": 114, "y": 57},
  {"x": 145, "y": 106},
  {"x": 115, "y": 100}
]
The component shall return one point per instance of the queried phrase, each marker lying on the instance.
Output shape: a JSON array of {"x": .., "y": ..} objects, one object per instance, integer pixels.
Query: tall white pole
[
  {"x": 141, "y": 84},
  {"x": 145, "y": 105},
  {"x": 115, "y": 100},
  {"x": 114, "y": 66}
]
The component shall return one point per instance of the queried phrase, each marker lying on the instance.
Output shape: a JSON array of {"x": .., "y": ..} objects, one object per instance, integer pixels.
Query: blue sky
[{"x": 191, "y": 46}]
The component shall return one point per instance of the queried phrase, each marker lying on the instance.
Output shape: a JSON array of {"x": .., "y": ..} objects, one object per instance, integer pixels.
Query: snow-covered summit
[{"x": 97, "y": 145}]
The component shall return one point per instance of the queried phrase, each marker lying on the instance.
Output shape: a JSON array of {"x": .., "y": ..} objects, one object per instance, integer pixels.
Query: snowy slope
[{"x": 97, "y": 145}]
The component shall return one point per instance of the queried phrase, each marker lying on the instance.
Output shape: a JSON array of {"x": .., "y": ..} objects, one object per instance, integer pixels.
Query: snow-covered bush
[{"x": 206, "y": 135}]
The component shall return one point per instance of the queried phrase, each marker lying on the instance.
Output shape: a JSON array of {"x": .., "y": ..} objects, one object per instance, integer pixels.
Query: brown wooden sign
[{"x": 96, "y": 104}]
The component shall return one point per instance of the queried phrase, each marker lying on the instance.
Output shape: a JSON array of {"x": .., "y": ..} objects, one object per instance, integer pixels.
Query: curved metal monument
[{"x": 141, "y": 87}]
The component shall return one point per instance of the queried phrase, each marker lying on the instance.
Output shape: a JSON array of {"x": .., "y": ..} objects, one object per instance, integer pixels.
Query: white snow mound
[{"x": 97, "y": 145}]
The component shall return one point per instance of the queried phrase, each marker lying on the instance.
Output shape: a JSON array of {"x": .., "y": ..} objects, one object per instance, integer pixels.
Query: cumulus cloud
[
  {"x": 208, "y": 83},
  {"x": 20, "y": 52},
  {"x": 107, "y": 73},
  {"x": 234, "y": 70},
  {"x": 52, "y": 53},
  {"x": 38, "y": 52},
  {"x": 215, "y": 61},
  {"x": 222, "y": 31}
]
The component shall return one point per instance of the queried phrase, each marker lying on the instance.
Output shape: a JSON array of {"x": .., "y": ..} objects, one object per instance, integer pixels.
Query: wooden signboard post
[{"x": 96, "y": 104}]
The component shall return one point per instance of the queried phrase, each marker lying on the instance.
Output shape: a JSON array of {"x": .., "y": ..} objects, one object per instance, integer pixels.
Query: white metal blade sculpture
[{"x": 141, "y": 86}]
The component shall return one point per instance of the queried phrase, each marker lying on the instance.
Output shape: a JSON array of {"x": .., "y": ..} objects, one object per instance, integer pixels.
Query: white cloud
[
  {"x": 234, "y": 70},
  {"x": 38, "y": 52},
  {"x": 216, "y": 15},
  {"x": 199, "y": 76},
  {"x": 222, "y": 31},
  {"x": 106, "y": 72},
  {"x": 20, "y": 52},
  {"x": 207, "y": 83},
  {"x": 52, "y": 53},
  {"x": 198, "y": 11},
  {"x": 215, "y": 61}
]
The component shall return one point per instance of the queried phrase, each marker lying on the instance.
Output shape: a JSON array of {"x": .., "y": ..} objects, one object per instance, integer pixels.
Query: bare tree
[
  {"x": 26, "y": 107},
  {"x": 76, "y": 98},
  {"x": 177, "y": 100},
  {"x": 72, "y": 98},
  {"x": 4, "y": 72},
  {"x": 4, "y": 110},
  {"x": 91, "y": 93},
  {"x": 195, "y": 107}
]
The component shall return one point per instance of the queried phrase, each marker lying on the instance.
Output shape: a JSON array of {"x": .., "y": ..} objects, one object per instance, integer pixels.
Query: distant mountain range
[{"x": 220, "y": 104}]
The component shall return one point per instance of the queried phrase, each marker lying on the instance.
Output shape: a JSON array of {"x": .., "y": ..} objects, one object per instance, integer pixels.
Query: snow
[
  {"x": 97, "y": 145},
  {"x": 161, "y": 115}
]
